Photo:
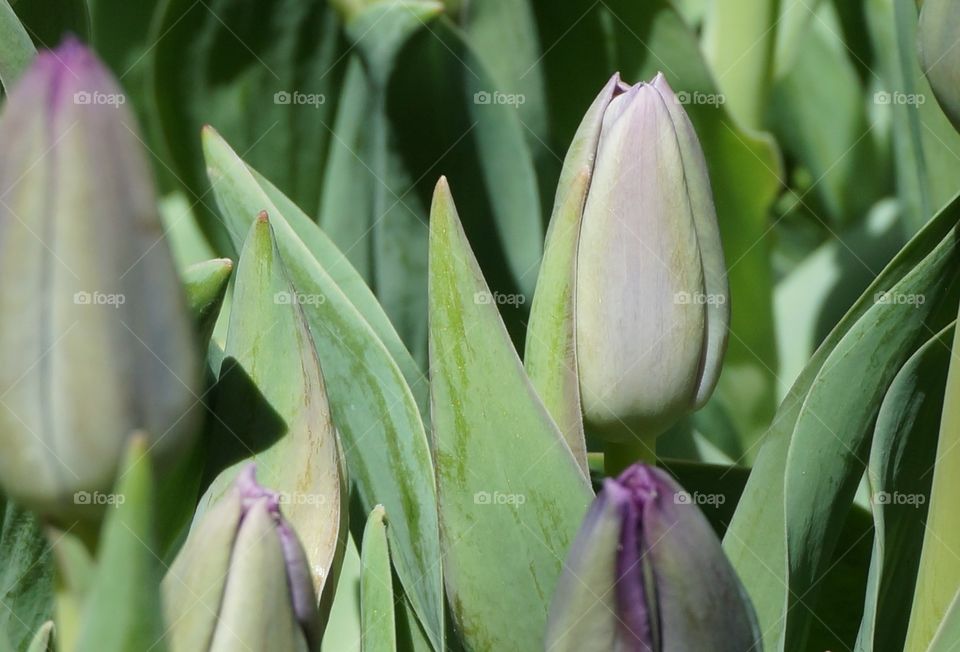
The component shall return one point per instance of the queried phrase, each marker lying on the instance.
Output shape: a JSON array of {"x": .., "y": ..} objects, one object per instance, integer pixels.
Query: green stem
[{"x": 618, "y": 456}]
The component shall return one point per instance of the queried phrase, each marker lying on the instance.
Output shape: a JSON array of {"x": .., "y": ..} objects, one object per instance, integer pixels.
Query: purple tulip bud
[
  {"x": 242, "y": 580},
  {"x": 646, "y": 573},
  {"x": 651, "y": 308},
  {"x": 102, "y": 344}
]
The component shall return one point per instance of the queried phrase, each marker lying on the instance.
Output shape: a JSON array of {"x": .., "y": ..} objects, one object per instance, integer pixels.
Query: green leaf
[
  {"x": 367, "y": 376},
  {"x": 924, "y": 142},
  {"x": 902, "y": 455},
  {"x": 16, "y": 49},
  {"x": 939, "y": 574},
  {"x": 242, "y": 192},
  {"x": 550, "y": 355},
  {"x": 786, "y": 524},
  {"x": 344, "y": 629},
  {"x": 841, "y": 154},
  {"x": 272, "y": 406},
  {"x": 503, "y": 35},
  {"x": 413, "y": 113},
  {"x": 949, "y": 632},
  {"x": 206, "y": 285},
  {"x": 187, "y": 243},
  {"x": 819, "y": 290},
  {"x": 376, "y": 587},
  {"x": 26, "y": 575},
  {"x": 44, "y": 638},
  {"x": 511, "y": 494},
  {"x": 213, "y": 57},
  {"x": 739, "y": 40},
  {"x": 122, "y": 608}
]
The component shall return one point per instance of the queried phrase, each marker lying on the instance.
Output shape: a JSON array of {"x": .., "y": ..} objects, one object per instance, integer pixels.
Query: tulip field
[{"x": 479, "y": 326}]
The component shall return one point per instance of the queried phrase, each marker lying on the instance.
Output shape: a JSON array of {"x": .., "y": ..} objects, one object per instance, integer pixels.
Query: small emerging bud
[
  {"x": 97, "y": 339},
  {"x": 651, "y": 289},
  {"x": 646, "y": 573},
  {"x": 241, "y": 581}
]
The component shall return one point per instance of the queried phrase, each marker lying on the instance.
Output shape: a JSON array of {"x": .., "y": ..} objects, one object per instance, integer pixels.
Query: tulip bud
[
  {"x": 939, "y": 54},
  {"x": 651, "y": 289},
  {"x": 96, "y": 339},
  {"x": 646, "y": 573},
  {"x": 241, "y": 580}
]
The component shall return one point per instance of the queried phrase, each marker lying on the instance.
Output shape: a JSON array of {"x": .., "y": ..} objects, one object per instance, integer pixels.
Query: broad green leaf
[
  {"x": 925, "y": 145},
  {"x": 939, "y": 574},
  {"x": 511, "y": 494},
  {"x": 949, "y": 631},
  {"x": 26, "y": 575},
  {"x": 272, "y": 406},
  {"x": 785, "y": 526},
  {"x": 280, "y": 60},
  {"x": 640, "y": 40},
  {"x": 122, "y": 609},
  {"x": 373, "y": 406},
  {"x": 901, "y": 458},
  {"x": 376, "y": 587},
  {"x": 16, "y": 49},
  {"x": 242, "y": 192}
]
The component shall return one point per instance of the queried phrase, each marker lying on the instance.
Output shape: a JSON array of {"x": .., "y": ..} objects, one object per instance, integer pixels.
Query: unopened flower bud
[{"x": 96, "y": 339}]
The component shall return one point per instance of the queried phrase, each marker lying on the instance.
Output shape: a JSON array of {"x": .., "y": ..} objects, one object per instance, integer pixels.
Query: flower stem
[{"x": 618, "y": 456}]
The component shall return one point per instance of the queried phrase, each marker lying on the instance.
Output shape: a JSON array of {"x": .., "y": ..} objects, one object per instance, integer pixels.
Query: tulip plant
[{"x": 390, "y": 325}]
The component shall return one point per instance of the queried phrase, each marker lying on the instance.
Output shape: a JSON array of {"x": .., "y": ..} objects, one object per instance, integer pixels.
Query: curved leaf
[
  {"x": 939, "y": 574},
  {"x": 272, "y": 408},
  {"x": 833, "y": 426},
  {"x": 374, "y": 407},
  {"x": 901, "y": 457}
]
